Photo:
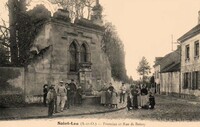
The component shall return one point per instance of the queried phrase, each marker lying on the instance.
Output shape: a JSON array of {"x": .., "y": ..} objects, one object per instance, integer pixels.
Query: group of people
[
  {"x": 109, "y": 95},
  {"x": 140, "y": 97},
  {"x": 61, "y": 97},
  {"x": 65, "y": 95}
]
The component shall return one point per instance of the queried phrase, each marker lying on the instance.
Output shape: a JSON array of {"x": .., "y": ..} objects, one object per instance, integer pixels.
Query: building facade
[
  {"x": 64, "y": 51},
  {"x": 190, "y": 62}
]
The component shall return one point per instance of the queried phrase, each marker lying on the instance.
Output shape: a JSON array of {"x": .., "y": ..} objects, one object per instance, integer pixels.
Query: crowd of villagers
[
  {"x": 138, "y": 96},
  {"x": 61, "y": 97}
]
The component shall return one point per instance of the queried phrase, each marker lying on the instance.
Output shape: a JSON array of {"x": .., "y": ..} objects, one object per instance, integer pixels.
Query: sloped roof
[
  {"x": 157, "y": 60},
  {"x": 191, "y": 33},
  {"x": 172, "y": 68},
  {"x": 170, "y": 62}
]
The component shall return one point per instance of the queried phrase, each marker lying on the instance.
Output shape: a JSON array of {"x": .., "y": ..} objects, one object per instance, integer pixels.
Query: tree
[
  {"x": 23, "y": 29},
  {"x": 76, "y": 8},
  {"x": 16, "y": 9},
  {"x": 3, "y": 58},
  {"x": 114, "y": 49},
  {"x": 143, "y": 69}
]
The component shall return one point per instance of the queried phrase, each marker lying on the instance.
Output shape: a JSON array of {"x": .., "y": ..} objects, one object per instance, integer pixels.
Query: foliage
[
  {"x": 29, "y": 26},
  {"x": 114, "y": 49},
  {"x": 76, "y": 8},
  {"x": 3, "y": 58},
  {"x": 144, "y": 69},
  {"x": 24, "y": 26},
  {"x": 39, "y": 13},
  {"x": 12, "y": 100}
]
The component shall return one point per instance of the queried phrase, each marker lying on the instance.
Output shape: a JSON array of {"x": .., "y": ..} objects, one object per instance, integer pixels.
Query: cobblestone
[
  {"x": 167, "y": 109},
  {"x": 40, "y": 111}
]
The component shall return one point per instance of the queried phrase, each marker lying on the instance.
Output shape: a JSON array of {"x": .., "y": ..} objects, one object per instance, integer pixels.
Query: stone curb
[{"x": 67, "y": 115}]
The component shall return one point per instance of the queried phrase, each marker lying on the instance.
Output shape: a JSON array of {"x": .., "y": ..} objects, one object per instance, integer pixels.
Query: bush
[{"x": 14, "y": 100}]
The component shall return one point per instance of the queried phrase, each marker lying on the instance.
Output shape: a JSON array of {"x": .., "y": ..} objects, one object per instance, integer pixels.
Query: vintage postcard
[{"x": 103, "y": 63}]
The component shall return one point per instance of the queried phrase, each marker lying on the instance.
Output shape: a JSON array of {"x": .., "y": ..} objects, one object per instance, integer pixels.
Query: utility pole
[{"x": 173, "y": 42}]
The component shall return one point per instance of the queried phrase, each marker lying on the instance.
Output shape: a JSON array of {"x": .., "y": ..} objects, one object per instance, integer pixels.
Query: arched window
[
  {"x": 83, "y": 53},
  {"x": 73, "y": 57}
]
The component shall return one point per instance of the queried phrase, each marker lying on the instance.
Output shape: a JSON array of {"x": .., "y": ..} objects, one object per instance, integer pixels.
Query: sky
[{"x": 145, "y": 26}]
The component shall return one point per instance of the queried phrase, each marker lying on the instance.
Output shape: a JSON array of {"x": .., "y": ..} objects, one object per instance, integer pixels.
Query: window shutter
[
  {"x": 198, "y": 80},
  {"x": 193, "y": 80}
]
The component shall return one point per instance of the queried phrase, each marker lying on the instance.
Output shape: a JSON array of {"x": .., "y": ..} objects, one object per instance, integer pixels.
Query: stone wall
[{"x": 11, "y": 86}]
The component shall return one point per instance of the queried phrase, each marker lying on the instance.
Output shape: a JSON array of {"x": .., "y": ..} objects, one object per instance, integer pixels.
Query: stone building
[
  {"x": 64, "y": 51},
  {"x": 190, "y": 62}
]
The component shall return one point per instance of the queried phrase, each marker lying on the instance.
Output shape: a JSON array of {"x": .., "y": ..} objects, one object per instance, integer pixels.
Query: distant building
[
  {"x": 167, "y": 73},
  {"x": 157, "y": 73}
]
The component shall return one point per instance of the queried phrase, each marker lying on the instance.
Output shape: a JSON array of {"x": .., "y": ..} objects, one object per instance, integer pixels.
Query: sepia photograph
[{"x": 103, "y": 63}]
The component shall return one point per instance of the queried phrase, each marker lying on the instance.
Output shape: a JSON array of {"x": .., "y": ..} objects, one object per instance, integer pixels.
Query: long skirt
[
  {"x": 139, "y": 100},
  {"x": 108, "y": 98},
  {"x": 103, "y": 97},
  {"x": 144, "y": 100},
  {"x": 135, "y": 101},
  {"x": 114, "y": 99}
]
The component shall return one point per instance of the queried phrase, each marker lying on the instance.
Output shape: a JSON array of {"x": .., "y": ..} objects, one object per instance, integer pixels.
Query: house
[
  {"x": 167, "y": 73},
  {"x": 190, "y": 62},
  {"x": 157, "y": 74}
]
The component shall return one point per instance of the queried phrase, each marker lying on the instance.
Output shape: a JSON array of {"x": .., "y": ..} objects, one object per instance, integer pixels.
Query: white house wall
[
  {"x": 191, "y": 65},
  {"x": 169, "y": 83}
]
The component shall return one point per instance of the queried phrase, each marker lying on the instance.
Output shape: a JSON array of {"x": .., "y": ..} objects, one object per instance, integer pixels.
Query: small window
[
  {"x": 73, "y": 57},
  {"x": 187, "y": 51},
  {"x": 83, "y": 53},
  {"x": 196, "y": 48}
]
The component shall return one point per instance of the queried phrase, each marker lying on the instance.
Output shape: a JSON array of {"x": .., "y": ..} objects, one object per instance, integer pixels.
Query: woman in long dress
[
  {"x": 103, "y": 95},
  {"x": 144, "y": 93},
  {"x": 139, "y": 97},
  {"x": 135, "y": 97},
  {"x": 114, "y": 99}
]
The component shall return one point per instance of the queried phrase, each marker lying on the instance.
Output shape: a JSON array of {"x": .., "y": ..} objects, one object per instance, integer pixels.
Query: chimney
[
  {"x": 199, "y": 17},
  {"x": 97, "y": 2}
]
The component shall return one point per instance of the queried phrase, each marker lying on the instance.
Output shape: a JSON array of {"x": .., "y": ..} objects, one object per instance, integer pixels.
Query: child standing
[
  {"x": 151, "y": 101},
  {"x": 51, "y": 100},
  {"x": 129, "y": 105}
]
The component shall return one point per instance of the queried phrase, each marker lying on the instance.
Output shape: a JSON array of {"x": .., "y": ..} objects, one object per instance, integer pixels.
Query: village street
[{"x": 167, "y": 109}]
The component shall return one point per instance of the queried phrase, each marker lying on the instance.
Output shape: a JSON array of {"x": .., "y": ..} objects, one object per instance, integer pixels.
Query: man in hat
[
  {"x": 51, "y": 100},
  {"x": 122, "y": 93},
  {"x": 61, "y": 96}
]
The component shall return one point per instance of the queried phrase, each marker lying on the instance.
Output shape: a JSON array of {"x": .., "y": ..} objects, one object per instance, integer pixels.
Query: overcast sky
[{"x": 146, "y": 26}]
